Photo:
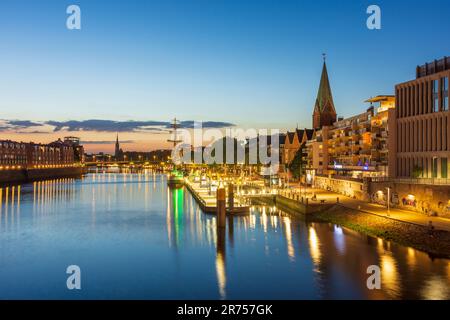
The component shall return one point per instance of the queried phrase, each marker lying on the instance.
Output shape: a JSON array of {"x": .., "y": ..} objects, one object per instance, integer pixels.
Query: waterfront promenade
[{"x": 379, "y": 210}]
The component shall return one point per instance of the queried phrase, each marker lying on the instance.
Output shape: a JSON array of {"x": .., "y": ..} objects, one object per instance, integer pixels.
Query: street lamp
[{"x": 388, "y": 200}]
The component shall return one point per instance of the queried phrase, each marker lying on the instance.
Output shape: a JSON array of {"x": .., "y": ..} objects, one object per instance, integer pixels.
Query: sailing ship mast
[
  {"x": 175, "y": 179},
  {"x": 175, "y": 126}
]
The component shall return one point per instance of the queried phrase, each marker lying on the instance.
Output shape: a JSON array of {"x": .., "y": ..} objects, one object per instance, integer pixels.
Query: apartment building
[{"x": 355, "y": 147}]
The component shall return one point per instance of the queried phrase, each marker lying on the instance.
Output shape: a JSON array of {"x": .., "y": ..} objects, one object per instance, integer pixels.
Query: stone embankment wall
[
  {"x": 426, "y": 199},
  {"x": 10, "y": 176},
  {"x": 350, "y": 188}
]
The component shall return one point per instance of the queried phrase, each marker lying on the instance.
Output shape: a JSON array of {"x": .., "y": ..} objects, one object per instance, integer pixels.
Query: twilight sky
[{"x": 251, "y": 63}]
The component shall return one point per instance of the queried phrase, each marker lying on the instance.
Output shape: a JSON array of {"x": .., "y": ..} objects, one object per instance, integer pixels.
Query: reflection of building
[{"x": 31, "y": 155}]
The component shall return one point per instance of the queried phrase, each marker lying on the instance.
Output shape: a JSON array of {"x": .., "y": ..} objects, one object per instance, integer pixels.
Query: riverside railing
[{"x": 425, "y": 181}]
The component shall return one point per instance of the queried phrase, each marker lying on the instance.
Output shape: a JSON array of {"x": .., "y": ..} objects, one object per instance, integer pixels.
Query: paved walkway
[{"x": 394, "y": 213}]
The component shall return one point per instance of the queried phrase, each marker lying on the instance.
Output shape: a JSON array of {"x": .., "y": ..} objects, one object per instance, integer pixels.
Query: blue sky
[{"x": 248, "y": 62}]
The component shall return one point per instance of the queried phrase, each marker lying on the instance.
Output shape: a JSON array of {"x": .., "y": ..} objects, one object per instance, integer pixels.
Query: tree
[
  {"x": 417, "y": 172},
  {"x": 298, "y": 165}
]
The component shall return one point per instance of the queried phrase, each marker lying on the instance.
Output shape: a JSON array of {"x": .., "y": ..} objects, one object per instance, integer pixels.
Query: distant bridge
[{"x": 121, "y": 163}]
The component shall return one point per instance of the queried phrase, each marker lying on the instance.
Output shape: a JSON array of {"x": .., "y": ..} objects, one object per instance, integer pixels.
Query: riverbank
[
  {"x": 417, "y": 236},
  {"x": 412, "y": 235},
  {"x": 27, "y": 175}
]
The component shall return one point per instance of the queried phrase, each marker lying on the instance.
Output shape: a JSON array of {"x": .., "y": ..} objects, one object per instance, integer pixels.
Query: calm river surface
[{"x": 133, "y": 238}]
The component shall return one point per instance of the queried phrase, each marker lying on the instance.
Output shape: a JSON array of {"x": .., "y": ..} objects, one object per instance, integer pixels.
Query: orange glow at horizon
[
  {"x": 101, "y": 141},
  {"x": 129, "y": 141}
]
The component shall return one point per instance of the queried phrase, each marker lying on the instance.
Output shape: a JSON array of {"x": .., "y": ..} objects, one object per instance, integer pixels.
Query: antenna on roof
[{"x": 324, "y": 55}]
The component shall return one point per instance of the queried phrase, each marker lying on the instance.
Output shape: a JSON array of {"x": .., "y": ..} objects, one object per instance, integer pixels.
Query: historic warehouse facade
[{"x": 20, "y": 155}]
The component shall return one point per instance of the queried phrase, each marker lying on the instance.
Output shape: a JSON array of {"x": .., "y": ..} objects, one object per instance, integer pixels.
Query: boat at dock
[{"x": 175, "y": 179}]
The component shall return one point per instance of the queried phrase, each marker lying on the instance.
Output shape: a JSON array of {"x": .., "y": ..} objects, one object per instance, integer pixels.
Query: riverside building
[
  {"x": 419, "y": 144},
  {"x": 341, "y": 155},
  {"x": 20, "y": 155}
]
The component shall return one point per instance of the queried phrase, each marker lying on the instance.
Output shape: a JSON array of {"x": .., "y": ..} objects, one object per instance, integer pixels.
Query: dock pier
[{"x": 208, "y": 201}]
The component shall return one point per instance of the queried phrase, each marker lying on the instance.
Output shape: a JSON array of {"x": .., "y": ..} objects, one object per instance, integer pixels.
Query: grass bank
[{"x": 437, "y": 244}]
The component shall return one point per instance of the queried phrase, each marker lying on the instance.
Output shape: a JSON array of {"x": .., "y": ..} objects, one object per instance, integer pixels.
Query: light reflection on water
[{"x": 135, "y": 238}]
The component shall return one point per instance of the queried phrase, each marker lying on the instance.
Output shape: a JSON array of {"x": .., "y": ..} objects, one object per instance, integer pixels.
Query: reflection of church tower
[
  {"x": 117, "y": 151},
  {"x": 324, "y": 112}
]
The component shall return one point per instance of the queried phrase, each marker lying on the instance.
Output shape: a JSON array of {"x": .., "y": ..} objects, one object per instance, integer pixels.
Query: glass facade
[
  {"x": 444, "y": 168},
  {"x": 434, "y": 167},
  {"x": 435, "y": 95},
  {"x": 445, "y": 94}
]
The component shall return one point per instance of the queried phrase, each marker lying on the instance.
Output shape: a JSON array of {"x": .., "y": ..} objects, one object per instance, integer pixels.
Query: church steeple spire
[
  {"x": 117, "y": 150},
  {"x": 324, "y": 111}
]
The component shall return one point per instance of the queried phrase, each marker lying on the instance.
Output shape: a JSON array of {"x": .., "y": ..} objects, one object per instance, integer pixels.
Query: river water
[{"x": 133, "y": 238}]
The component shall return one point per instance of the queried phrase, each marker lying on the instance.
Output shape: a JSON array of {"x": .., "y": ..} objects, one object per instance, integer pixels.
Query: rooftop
[
  {"x": 381, "y": 98},
  {"x": 433, "y": 67}
]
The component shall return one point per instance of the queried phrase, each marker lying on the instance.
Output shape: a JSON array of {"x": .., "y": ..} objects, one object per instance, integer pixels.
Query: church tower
[
  {"x": 117, "y": 150},
  {"x": 324, "y": 111}
]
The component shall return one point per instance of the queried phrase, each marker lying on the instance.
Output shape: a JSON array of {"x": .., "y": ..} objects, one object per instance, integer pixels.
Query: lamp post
[{"x": 388, "y": 200}]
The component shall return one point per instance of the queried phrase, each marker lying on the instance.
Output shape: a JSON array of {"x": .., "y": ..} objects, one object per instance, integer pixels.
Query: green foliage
[
  {"x": 297, "y": 165},
  {"x": 416, "y": 172}
]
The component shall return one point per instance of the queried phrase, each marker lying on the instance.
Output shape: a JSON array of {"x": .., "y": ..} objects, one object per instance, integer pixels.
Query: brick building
[{"x": 20, "y": 155}]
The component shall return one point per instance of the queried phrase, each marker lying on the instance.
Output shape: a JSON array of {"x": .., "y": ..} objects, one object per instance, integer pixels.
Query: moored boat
[{"x": 175, "y": 179}]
